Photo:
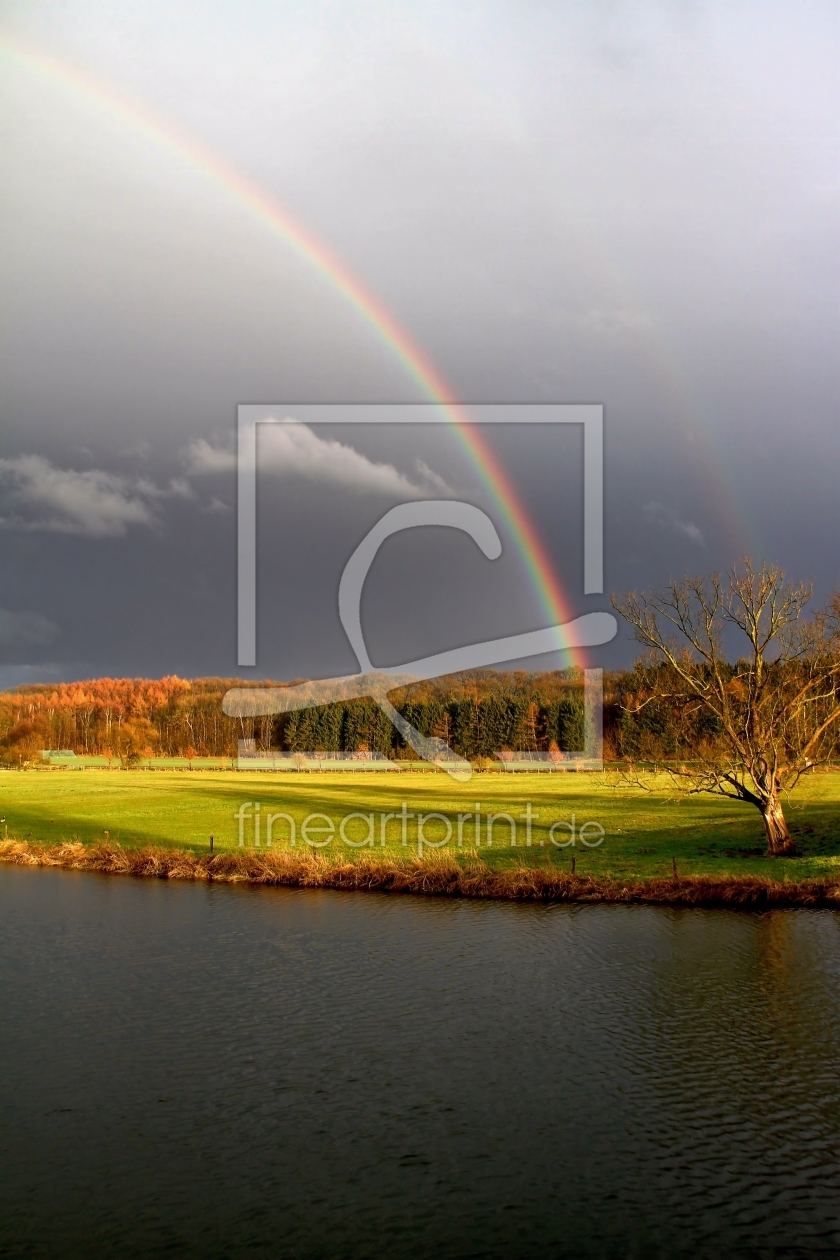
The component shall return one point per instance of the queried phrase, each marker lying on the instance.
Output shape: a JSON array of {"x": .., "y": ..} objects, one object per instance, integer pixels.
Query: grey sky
[{"x": 633, "y": 204}]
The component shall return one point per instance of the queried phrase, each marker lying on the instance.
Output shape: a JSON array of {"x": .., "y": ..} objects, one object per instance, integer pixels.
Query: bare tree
[{"x": 775, "y": 710}]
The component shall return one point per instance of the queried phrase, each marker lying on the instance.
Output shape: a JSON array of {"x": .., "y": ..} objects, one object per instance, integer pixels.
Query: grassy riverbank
[
  {"x": 438, "y": 875},
  {"x": 645, "y": 832}
]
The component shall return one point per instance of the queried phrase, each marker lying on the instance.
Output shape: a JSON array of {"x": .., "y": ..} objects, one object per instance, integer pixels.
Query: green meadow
[{"x": 645, "y": 831}]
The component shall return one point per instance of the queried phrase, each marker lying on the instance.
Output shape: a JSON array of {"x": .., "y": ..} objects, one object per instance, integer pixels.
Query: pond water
[{"x": 225, "y": 1071}]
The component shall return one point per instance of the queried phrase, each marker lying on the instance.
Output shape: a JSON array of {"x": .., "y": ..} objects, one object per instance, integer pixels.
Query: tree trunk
[{"x": 779, "y": 839}]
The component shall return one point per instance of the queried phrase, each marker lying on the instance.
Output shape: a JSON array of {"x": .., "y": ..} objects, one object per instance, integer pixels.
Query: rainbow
[{"x": 307, "y": 246}]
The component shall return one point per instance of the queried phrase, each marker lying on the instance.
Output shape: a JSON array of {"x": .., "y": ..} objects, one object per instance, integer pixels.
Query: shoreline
[{"x": 438, "y": 877}]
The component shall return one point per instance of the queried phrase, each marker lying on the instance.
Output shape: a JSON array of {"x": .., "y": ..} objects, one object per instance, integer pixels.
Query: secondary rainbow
[{"x": 315, "y": 252}]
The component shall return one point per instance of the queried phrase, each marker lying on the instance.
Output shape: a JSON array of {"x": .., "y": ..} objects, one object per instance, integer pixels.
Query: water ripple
[{"x": 221, "y": 1071}]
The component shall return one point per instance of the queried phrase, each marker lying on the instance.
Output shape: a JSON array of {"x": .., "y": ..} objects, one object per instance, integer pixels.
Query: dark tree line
[{"x": 473, "y": 727}]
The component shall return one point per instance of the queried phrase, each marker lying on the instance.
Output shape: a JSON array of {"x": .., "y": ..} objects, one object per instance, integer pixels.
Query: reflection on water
[{"x": 229, "y": 1071}]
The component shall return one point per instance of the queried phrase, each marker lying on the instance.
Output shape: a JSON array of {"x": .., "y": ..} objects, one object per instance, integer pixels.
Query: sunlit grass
[{"x": 645, "y": 831}]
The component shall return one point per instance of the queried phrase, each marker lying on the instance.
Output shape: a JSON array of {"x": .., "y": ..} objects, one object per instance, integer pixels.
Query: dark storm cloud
[{"x": 629, "y": 204}]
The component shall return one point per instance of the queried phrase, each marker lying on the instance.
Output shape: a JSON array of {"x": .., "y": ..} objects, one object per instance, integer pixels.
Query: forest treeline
[{"x": 478, "y": 714}]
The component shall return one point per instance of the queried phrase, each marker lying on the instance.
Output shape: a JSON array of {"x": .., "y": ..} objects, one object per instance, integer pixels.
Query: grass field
[{"x": 644, "y": 831}]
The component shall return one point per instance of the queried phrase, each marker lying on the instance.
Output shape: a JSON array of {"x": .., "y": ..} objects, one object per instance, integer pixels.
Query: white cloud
[
  {"x": 178, "y": 488},
  {"x": 96, "y": 503},
  {"x": 430, "y": 477},
  {"x": 691, "y": 531},
  {"x": 667, "y": 518},
  {"x": 201, "y": 458},
  {"x": 25, "y": 629},
  {"x": 291, "y": 448},
  {"x": 294, "y": 448}
]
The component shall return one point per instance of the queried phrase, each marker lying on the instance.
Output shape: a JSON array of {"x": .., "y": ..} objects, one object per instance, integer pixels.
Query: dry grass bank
[{"x": 440, "y": 876}]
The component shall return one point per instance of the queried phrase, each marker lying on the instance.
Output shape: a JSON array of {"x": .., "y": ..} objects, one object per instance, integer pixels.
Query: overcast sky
[{"x": 631, "y": 204}]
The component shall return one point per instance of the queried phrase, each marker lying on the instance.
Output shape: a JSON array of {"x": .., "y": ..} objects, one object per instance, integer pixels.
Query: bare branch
[{"x": 774, "y": 712}]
